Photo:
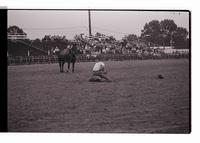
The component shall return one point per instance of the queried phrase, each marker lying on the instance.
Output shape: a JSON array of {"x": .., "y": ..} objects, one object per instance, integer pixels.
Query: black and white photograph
[{"x": 98, "y": 71}]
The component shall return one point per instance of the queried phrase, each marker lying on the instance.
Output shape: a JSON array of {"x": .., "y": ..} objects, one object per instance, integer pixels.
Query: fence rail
[{"x": 83, "y": 58}]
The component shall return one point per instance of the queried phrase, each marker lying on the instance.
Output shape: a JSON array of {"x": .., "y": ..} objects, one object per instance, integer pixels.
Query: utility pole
[{"x": 90, "y": 32}]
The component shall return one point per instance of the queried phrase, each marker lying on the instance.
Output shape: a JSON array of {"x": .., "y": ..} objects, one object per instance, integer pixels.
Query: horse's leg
[
  {"x": 73, "y": 63},
  {"x": 68, "y": 62},
  {"x": 62, "y": 65}
]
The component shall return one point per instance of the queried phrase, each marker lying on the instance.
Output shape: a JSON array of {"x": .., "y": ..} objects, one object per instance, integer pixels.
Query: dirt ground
[{"x": 41, "y": 99}]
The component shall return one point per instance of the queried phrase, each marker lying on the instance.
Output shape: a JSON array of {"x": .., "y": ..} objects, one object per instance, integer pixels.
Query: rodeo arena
[{"x": 97, "y": 84}]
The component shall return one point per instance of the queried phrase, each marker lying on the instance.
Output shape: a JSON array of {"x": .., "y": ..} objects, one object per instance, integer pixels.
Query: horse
[
  {"x": 61, "y": 57},
  {"x": 71, "y": 58},
  {"x": 66, "y": 55}
]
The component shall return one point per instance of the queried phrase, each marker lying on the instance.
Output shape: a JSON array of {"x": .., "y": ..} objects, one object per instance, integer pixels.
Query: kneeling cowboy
[{"x": 99, "y": 73}]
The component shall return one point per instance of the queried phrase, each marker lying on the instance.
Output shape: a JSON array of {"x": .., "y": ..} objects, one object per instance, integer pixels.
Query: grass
[{"x": 41, "y": 99}]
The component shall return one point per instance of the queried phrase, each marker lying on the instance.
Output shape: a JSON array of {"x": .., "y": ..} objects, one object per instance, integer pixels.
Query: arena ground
[{"x": 41, "y": 99}]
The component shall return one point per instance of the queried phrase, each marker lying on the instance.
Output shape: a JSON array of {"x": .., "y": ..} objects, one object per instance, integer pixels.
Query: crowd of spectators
[{"x": 94, "y": 46}]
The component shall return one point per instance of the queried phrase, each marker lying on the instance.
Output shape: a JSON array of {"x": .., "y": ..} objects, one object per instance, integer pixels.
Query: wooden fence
[{"x": 84, "y": 58}]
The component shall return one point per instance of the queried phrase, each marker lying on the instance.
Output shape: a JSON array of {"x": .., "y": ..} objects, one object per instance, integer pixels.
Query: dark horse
[
  {"x": 66, "y": 55},
  {"x": 71, "y": 58}
]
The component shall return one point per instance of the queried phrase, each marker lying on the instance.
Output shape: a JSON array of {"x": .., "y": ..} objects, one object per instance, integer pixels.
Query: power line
[
  {"x": 73, "y": 29},
  {"x": 112, "y": 31},
  {"x": 64, "y": 31},
  {"x": 58, "y": 28}
]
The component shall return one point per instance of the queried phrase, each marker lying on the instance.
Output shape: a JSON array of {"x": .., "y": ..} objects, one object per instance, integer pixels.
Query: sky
[{"x": 38, "y": 23}]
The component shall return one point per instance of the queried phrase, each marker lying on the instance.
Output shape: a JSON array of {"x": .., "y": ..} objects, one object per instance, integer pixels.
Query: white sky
[{"x": 37, "y": 23}]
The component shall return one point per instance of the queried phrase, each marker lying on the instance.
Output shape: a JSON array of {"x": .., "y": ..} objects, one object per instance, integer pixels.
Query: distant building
[
  {"x": 169, "y": 49},
  {"x": 16, "y": 36}
]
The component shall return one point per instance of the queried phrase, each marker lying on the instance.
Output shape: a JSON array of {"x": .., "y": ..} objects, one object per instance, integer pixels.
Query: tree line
[{"x": 165, "y": 33}]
